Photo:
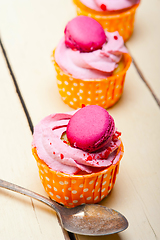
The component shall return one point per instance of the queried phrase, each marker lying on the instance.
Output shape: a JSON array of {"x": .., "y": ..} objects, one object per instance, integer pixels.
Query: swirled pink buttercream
[
  {"x": 96, "y": 64},
  {"x": 61, "y": 157},
  {"x": 109, "y": 5}
]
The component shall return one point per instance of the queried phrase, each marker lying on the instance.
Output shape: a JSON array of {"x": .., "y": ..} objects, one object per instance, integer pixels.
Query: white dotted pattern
[
  {"x": 76, "y": 92},
  {"x": 73, "y": 191},
  {"x": 84, "y": 190}
]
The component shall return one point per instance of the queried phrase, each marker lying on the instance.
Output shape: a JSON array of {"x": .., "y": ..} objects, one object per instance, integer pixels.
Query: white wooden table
[{"x": 29, "y": 31}]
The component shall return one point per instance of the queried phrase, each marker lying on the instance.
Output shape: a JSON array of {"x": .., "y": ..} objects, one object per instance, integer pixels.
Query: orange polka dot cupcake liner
[
  {"x": 74, "y": 190},
  {"x": 122, "y": 22},
  {"x": 103, "y": 92}
]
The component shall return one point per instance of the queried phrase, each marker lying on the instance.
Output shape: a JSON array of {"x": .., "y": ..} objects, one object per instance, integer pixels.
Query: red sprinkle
[
  {"x": 103, "y": 7},
  {"x": 53, "y": 152},
  {"x": 89, "y": 158},
  {"x": 118, "y": 133},
  {"x": 65, "y": 141},
  {"x": 83, "y": 105},
  {"x": 62, "y": 156},
  {"x": 106, "y": 154},
  {"x": 115, "y": 37},
  {"x": 50, "y": 143}
]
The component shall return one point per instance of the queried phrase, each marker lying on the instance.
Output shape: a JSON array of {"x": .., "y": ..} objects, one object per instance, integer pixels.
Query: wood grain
[{"x": 21, "y": 217}]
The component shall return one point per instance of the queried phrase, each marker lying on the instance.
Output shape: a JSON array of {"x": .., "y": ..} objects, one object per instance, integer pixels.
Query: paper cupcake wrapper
[
  {"x": 103, "y": 92},
  {"x": 74, "y": 190},
  {"x": 122, "y": 22}
]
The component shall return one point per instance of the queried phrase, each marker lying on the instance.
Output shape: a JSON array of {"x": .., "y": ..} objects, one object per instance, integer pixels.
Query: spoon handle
[{"x": 24, "y": 191}]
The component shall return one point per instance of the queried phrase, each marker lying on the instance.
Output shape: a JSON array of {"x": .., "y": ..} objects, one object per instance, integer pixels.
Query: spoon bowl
[
  {"x": 93, "y": 220},
  {"x": 87, "y": 219}
]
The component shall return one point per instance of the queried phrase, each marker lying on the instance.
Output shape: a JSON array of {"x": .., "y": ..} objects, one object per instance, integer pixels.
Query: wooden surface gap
[
  {"x": 145, "y": 81},
  {"x": 151, "y": 226},
  {"x": 66, "y": 235},
  {"x": 17, "y": 87},
  {"x": 33, "y": 206},
  {"x": 72, "y": 236}
]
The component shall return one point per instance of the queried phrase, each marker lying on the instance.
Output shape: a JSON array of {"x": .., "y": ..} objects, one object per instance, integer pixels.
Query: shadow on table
[{"x": 108, "y": 237}]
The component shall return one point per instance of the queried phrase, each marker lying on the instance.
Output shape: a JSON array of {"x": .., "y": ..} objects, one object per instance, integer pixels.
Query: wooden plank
[
  {"x": 37, "y": 28},
  {"x": 144, "y": 44},
  {"x": 21, "y": 217},
  {"x": 30, "y": 30}
]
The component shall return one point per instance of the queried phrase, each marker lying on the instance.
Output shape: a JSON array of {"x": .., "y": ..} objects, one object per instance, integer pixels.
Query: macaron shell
[
  {"x": 88, "y": 127},
  {"x": 84, "y": 34},
  {"x": 123, "y": 21}
]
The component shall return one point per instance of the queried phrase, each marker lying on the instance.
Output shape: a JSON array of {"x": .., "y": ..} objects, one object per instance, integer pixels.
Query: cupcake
[
  {"x": 78, "y": 155},
  {"x": 91, "y": 64},
  {"x": 113, "y": 15}
]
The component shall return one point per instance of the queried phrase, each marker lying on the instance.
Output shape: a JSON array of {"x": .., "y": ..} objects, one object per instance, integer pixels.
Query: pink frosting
[
  {"x": 109, "y": 5},
  {"x": 61, "y": 157},
  {"x": 96, "y": 64}
]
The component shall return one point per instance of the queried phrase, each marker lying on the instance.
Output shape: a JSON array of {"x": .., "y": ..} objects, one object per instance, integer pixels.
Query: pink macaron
[
  {"x": 91, "y": 128},
  {"x": 84, "y": 34}
]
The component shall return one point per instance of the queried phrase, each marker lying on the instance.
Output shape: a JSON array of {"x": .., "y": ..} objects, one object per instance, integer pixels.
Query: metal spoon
[{"x": 89, "y": 219}]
